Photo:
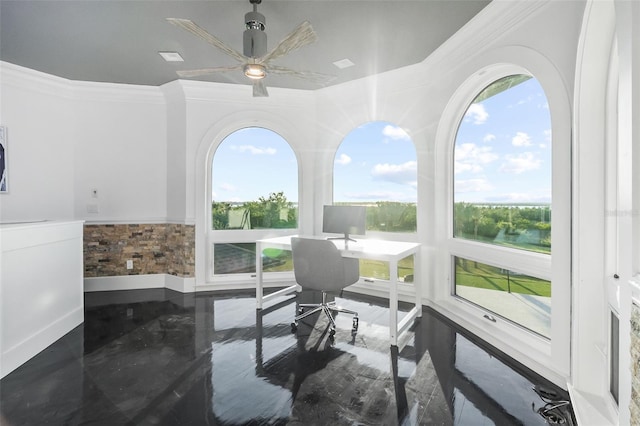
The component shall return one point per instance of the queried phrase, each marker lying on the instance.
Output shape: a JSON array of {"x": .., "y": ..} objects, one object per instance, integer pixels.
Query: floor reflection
[{"x": 161, "y": 357}]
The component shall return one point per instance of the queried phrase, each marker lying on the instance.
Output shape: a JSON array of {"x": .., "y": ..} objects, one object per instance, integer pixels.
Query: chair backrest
[{"x": 318, "y": 265}]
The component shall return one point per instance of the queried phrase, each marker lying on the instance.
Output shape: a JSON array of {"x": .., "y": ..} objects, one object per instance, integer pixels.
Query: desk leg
[
  {"x": 393, "y": 302},
  {"x": 417, "y": 282},
  {"x": 258, "y": 276}
]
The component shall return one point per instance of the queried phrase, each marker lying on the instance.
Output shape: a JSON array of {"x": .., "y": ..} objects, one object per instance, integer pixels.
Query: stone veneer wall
[
  {"x": 154, "y": 249},
  {"x": 634, "y": 406}
]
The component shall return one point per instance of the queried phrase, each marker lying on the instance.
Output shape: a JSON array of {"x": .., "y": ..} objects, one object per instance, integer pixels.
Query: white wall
[
  {"x": 176, "y": 125},
  {"x": 121, "y": 150},
  {"x": 67, "y": 138},
  {"x": 38, "y": 115}
]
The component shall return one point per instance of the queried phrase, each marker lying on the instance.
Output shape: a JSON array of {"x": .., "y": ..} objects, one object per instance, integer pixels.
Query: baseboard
[
  {"x": 31, "y": 346},
  {"x": 183, "y": 285},
  {"x": 139, "y": 282},
  {"x": 124, "y": 282}
]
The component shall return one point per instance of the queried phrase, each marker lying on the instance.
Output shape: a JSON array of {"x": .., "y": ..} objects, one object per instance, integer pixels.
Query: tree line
[{"x": 522, "y": 226}]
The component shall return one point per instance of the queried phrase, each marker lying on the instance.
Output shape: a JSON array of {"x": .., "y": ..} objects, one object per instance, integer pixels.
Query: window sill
[{"x": 592, "y": 409}]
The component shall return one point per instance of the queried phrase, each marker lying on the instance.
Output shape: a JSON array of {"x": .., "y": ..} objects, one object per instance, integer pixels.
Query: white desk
[{"x": 388, "y": 251}]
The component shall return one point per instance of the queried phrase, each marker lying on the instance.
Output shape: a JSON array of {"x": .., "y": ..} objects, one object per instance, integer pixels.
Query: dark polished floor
[{"x": 157, "y": 357}]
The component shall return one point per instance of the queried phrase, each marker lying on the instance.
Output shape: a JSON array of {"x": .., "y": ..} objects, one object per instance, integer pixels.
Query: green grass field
[
  {"x": 368, "y": 268},
  {"x": 468, "y": 273},
  {"x": 479, "y": 275}
]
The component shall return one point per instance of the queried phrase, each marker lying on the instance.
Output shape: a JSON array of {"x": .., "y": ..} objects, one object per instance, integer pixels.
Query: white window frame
[
  {"x": 368, "y": 285},
  {"x": 209, "y": 236},
  {"x": 550, "y": 358}
]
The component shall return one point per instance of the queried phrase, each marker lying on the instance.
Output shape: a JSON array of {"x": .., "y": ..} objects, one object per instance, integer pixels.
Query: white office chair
[{"x": 318, "y": 265}]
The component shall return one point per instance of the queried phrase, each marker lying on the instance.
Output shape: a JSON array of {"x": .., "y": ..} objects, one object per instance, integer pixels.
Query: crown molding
[
  {"x": 112, "y": 92},
  {"x": 27, "y": 79},
  {"x": 241, "y": 94}
]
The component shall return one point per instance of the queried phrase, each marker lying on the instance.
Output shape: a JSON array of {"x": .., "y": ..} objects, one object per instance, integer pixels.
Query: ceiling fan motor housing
[{"x": 254, "y": 38}]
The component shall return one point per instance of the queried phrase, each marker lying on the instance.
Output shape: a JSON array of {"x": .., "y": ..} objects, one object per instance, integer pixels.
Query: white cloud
[
  {"x": 521, "y": 163},
  {"x": 226, "y": 189},
  {"x": 489, "y": 137},
  {"x": 546, "y": 134},
  {"x": 343, "y": 160},
  {"x": 254, "y": 150},
  {"x": 225, "y": 186},
  {"x": 477, "y": 113},
  {"x": 472, "y": 185},
  {"x": 470, "y": 158},
  {"x": 382, "y": 196},
  {"x": 394, "y": 133},
  {"x": 519, "y": 197},
  {"x": 466, "y": 167},
  {"x": 521, "y": 139},
  {"x": 404, "y": 173},
  {"x": 526, "y": 100}
]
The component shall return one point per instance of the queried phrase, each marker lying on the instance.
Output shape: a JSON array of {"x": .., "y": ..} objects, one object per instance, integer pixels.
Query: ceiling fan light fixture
[
  {"x": 255, "y": 71},
  {"x": 255, "y": 60}
]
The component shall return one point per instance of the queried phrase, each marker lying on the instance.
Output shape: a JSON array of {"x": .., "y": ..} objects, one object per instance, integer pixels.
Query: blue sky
[
  {"x": 252, "y": 163},
  {"x": 503, "y": 148},
  {"x": 375, "y": 162},
  {"x": 502, "y": 155}
]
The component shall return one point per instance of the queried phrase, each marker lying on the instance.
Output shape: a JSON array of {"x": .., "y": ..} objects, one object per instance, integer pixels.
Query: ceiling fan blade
[
  {"x": 299, "y": 37},
  {"x": 307, "y": 75},
  {"x": 206, "y": 71},
  {"x": 259, "y": 89},
  {"x": 198, "y": 31}
]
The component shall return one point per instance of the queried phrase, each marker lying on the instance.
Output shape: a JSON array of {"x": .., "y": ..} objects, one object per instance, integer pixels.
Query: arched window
[
  {"x": 376, "y": 166},
  {"x": 254, "y": 193},
  {"x": 502, "y": 197}
]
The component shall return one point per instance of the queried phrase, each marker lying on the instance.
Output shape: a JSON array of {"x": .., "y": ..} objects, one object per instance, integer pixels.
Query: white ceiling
[{"x": 118, "y": 41}]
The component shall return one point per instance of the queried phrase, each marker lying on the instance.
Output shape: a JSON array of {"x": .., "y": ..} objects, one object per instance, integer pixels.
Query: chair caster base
[{"x": 332, "y": 335}]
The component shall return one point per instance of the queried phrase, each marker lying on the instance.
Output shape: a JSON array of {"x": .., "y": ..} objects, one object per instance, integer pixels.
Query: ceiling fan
[{"x": 256, "y": 61}]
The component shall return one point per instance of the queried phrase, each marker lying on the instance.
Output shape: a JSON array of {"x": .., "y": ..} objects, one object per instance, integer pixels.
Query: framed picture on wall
[{"x": 3, "y": 160}]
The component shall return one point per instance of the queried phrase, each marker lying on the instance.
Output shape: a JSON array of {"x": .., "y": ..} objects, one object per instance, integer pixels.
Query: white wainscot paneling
[{"x": 41, "y": 288}]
